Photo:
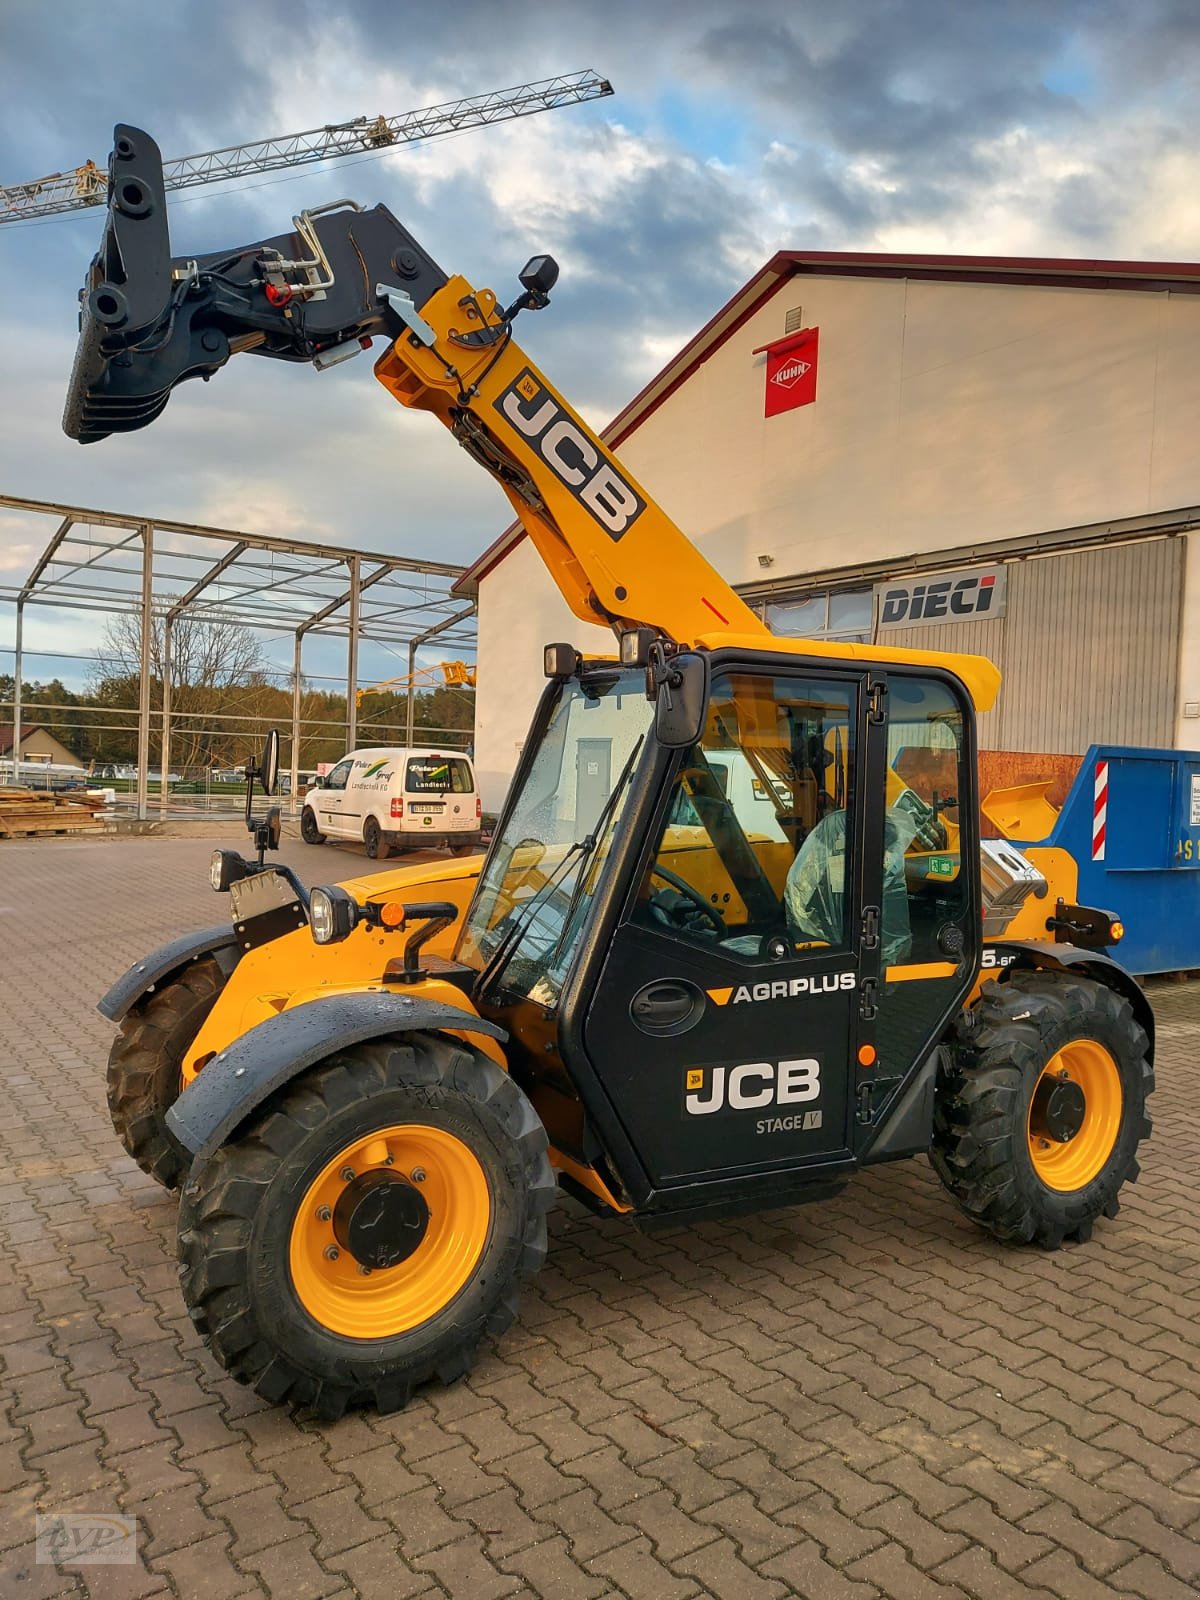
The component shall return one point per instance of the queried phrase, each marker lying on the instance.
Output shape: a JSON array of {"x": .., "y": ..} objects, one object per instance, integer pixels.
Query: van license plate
[{"x": 426, "y": 811}]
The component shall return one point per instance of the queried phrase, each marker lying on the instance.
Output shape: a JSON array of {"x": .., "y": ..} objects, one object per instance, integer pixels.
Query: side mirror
[
  {"x": 680, "y": 687},
  {"x": 268, "y": 764}
]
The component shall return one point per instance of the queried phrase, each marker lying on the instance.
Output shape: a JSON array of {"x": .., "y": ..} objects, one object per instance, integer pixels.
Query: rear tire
[
  {"x": 145, "y": 1063},
  {"x": 374, "y": 843},
  {"x": 309, "y": 831},
  {"x": 464, "y": 847},
  {"x": 991, "y": 1145},
  {"x": 277, "y": 1310}
]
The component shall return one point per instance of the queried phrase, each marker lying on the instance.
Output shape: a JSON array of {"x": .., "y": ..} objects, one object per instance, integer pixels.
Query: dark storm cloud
[{"x": 897, "y": 81}]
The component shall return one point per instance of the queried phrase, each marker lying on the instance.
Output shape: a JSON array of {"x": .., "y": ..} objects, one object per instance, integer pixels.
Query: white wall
[{"x": 946, "y": 414}]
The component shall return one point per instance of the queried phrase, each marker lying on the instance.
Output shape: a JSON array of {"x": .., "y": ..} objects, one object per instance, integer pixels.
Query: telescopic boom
[{"x": 343, "y": 277}]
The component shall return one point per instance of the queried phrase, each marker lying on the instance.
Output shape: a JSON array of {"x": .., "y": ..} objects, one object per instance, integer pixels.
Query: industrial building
[{"x": 970, "y": 453}]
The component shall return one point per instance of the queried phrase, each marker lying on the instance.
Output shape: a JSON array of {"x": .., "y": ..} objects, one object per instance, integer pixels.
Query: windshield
[{"x": 532, "y": 900}]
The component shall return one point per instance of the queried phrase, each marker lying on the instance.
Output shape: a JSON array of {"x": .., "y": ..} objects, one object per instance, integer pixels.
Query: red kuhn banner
[{"x": 791, "y": 371}]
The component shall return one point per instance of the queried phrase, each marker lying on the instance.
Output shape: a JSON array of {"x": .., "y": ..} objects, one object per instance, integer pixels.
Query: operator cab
[{"x": 652, "y": 923}]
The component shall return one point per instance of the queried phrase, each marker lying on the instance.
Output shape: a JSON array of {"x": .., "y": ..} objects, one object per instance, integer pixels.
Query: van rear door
[{"x": 439, "y": 795}]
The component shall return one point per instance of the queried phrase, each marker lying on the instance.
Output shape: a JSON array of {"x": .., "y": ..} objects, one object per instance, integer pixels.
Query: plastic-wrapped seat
[{"x": 815, "y": 893}]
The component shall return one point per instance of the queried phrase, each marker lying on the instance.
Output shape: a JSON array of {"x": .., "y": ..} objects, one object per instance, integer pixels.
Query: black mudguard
[
  {"x": 242, "y": 1076},
  {"x": 145, "y": 975},
  {"x": 1089, "y": 964}
]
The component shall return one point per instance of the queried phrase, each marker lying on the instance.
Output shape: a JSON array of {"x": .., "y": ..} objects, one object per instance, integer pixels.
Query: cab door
[
  {"x": 725, "y": 1020},
  {"x": 930, "y": 925}
]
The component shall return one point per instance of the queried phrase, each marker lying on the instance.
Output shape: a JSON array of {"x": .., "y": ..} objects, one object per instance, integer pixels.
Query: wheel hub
[
  {"x": 380, "y": 1218},
  {"x": 1058, "y": 1111}
]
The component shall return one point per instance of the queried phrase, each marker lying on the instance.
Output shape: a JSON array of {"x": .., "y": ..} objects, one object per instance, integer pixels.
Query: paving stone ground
[{"x": 859, "y": 1398}]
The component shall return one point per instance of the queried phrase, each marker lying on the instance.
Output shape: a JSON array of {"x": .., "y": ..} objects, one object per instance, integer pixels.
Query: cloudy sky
[{"x": 990, "y": 126}]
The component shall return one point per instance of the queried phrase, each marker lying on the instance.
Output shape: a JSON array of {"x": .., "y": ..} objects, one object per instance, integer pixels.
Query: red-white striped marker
[{"x": 1100, "y": 811}]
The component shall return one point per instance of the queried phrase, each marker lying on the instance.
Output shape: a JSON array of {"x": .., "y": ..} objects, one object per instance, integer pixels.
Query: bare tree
[{"x": 214, "y": 667}]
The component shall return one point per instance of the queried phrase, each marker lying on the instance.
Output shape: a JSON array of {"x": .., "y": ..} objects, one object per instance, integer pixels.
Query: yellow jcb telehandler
[{"x": 736, "y": 936}]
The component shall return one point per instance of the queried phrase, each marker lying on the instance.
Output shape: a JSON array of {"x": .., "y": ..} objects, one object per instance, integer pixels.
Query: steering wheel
[{"x": 683, "y": 887}]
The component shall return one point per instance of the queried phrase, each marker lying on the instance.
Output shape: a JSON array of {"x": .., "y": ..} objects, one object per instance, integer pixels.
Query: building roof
[
  {"x": 1180, "y": 277},
  {"x": 27, "y": 728},
  {"x": 6, "y": 734}
]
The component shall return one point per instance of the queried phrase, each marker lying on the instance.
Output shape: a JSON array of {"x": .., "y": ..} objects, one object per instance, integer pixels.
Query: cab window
[
  {"x": 759, "y": 823},
  {"x": 924, "y": 889},
  {"x": 337, "y": 778}
]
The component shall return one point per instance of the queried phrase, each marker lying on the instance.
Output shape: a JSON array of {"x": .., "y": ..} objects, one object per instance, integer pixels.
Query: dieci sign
[
  {"x": 791, "y": 371},
  {"x": 949, "y": 597}
]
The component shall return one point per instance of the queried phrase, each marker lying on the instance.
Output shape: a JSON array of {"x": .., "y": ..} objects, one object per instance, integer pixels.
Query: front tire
[
  {"x": 1038, "y": 1121},
  {"x": 272, "y": 1228},
  {"x": 309, "y": 831},
  {"x": 145, "y": 1066}
]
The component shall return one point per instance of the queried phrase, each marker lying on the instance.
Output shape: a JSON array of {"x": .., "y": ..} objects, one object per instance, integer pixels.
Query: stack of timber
[{"x": 25, "y": 812}]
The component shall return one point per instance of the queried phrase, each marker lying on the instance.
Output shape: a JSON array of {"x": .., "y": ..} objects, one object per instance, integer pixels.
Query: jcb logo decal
[
  {"x": 752, "y": 1086},
  {"x": 571, "y": 455}
]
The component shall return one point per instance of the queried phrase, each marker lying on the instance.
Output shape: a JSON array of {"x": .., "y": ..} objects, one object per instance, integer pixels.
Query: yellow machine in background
[{"x": 454, "y": 675}]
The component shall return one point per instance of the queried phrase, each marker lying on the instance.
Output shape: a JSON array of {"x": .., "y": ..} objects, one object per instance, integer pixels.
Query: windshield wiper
[{"x": 500, "y": 955}]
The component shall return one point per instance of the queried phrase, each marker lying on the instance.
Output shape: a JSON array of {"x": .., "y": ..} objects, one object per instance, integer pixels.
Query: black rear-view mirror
[
  {"x": 268, "y": 766},
  {"x": 680, "y": 698}
]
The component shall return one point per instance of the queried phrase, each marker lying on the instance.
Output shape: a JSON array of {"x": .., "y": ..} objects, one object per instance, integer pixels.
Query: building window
[{"x": 847, "y": 614}]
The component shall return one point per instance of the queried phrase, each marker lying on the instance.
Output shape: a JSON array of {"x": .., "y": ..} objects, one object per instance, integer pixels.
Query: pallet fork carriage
[{"x": 736, "y": 936}]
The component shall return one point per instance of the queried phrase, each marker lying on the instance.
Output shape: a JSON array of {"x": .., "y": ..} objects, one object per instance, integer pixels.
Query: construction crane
[
  {"x": 87, "y": 185},
  {"x": 455, "y": 675}
]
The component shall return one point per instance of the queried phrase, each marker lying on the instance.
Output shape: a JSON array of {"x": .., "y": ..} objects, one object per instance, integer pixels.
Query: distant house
[{"x": 37, "y": 744}]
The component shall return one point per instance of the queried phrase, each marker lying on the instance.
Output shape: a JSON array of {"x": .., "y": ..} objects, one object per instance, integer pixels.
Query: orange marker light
[
  {"x": 866, "y": 1055},
  {"x": 392, "y": 915},
  {"x": 1117, "y": 929}
]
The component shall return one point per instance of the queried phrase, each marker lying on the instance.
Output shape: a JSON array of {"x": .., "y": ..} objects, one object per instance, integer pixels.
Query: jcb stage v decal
[
  {"x": 570, "y": 454},
  {"x": 757, "y": 1086}
]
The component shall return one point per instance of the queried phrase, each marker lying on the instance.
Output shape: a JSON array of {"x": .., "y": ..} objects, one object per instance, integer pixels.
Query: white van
[{"x": 395, "y": 800}]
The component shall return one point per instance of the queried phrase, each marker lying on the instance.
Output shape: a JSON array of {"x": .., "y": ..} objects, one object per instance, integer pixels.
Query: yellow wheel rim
[
  {"x": 385, "y": 1301},
  {"x": 1085, "y": 1068}
]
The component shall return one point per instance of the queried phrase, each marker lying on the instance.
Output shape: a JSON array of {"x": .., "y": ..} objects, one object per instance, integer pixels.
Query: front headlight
[
  {"x": 225, "y": 867},
  {"x": 332, "y": 913}
]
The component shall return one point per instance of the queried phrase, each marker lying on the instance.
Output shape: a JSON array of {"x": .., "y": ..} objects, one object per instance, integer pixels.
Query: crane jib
[{"x": 578, "y": 463}]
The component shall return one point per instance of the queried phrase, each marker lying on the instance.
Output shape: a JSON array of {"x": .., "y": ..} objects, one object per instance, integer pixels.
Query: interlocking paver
[
  {"x": 641, "y": 1575},
  {"x": 863, "y": 1398},
  {"x": 549, "y": 1572}
]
